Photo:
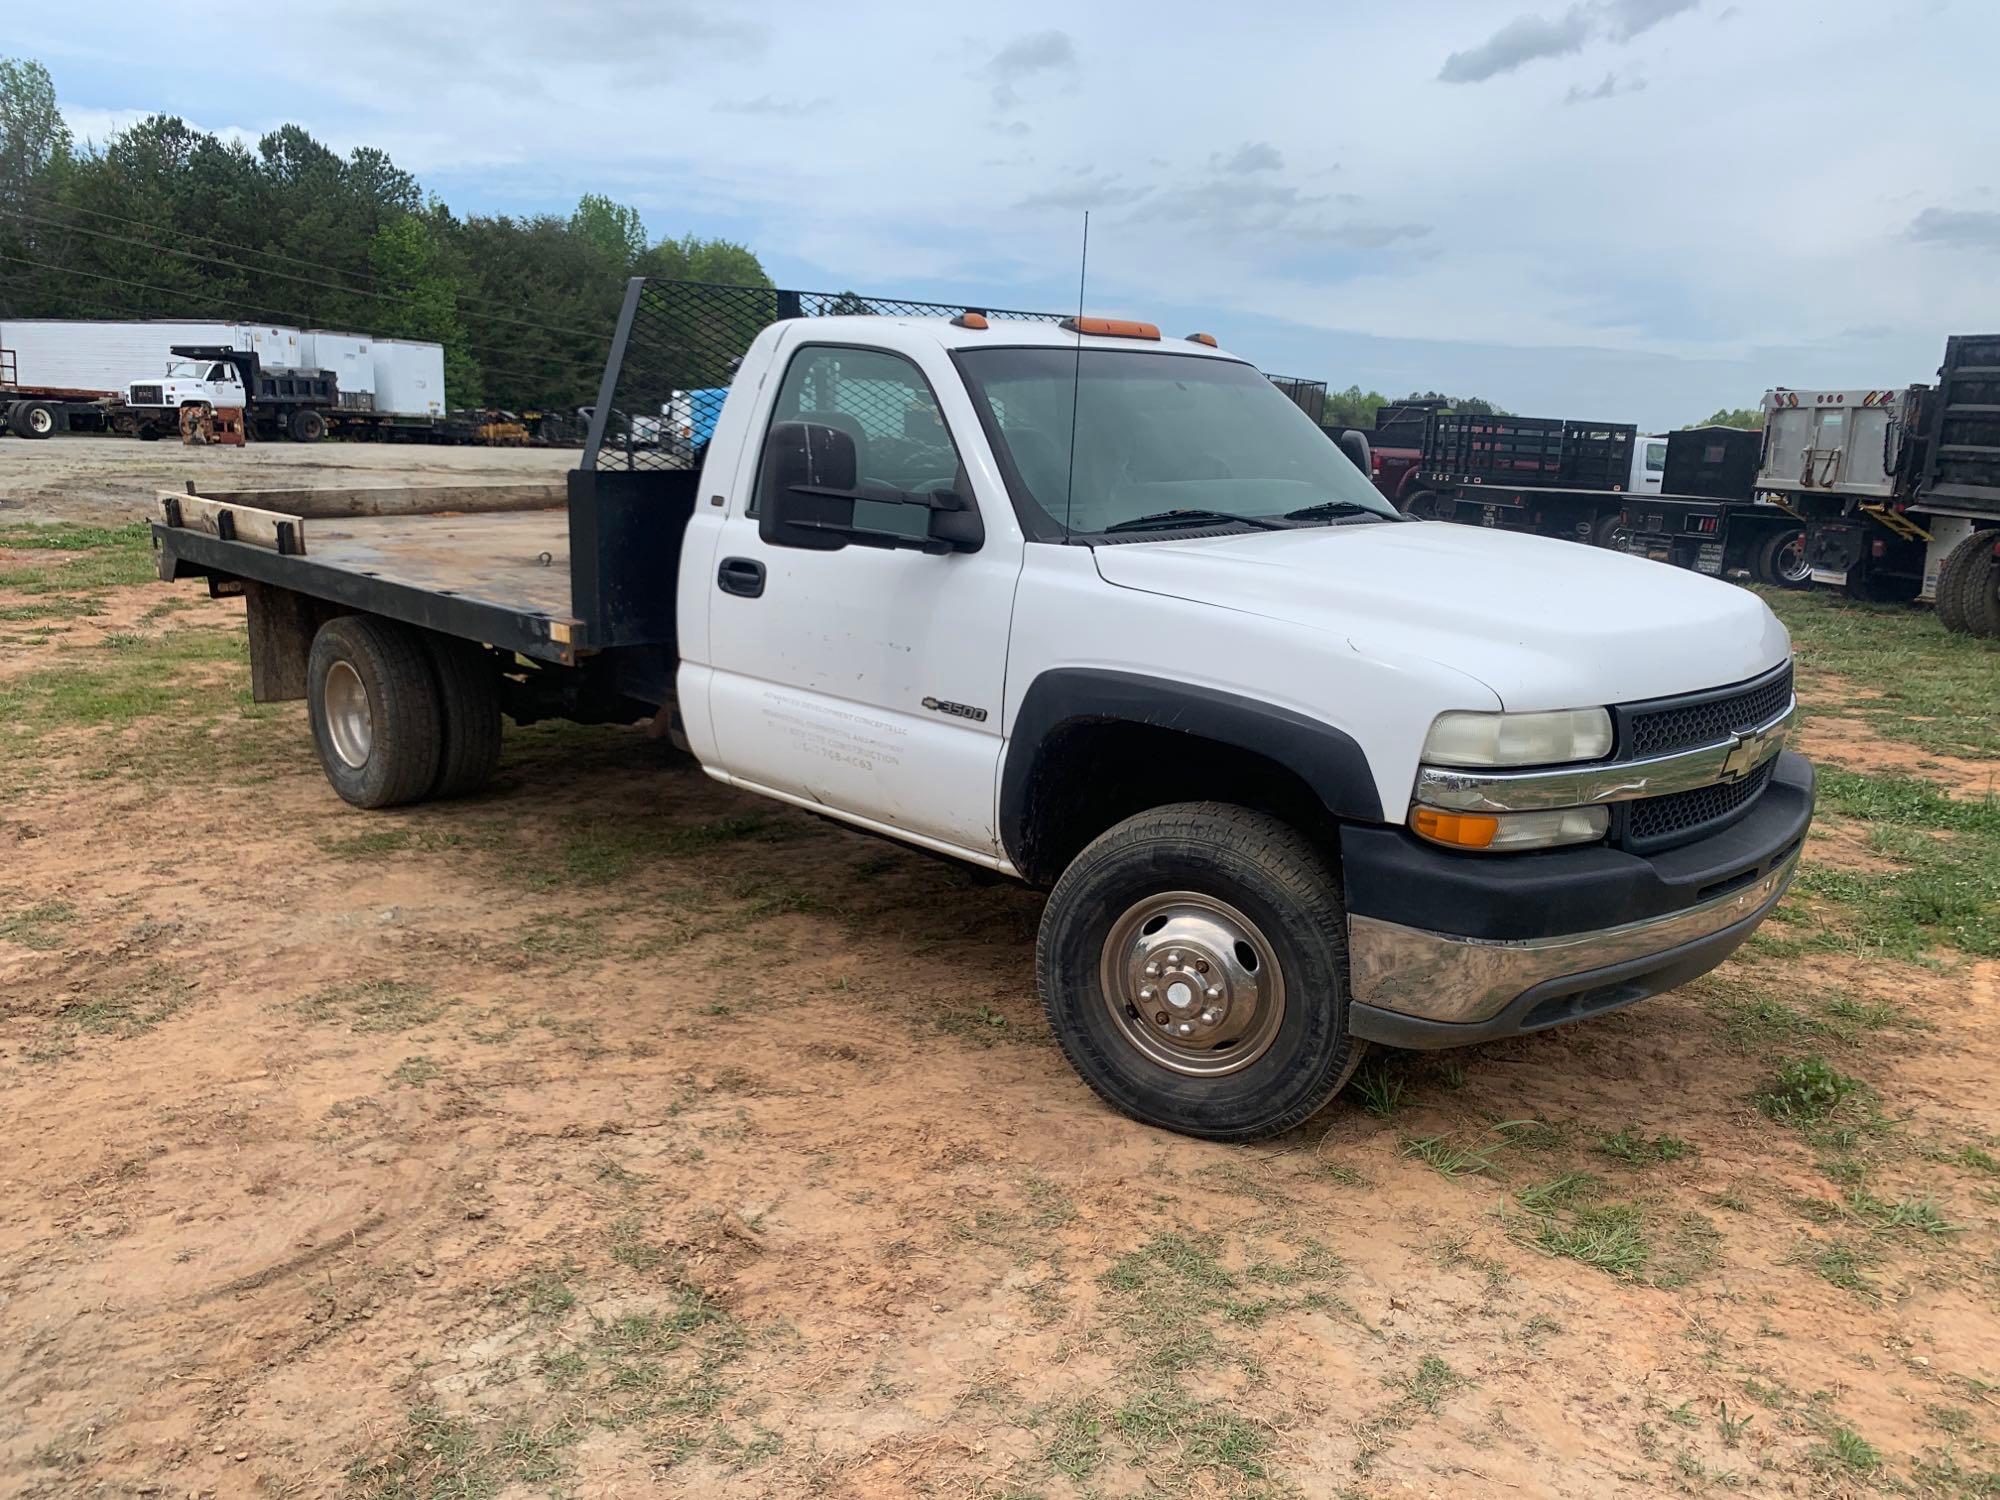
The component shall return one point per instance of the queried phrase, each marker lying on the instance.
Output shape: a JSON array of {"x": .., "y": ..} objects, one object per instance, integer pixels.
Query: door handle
[{"x": 743, "y": 576}]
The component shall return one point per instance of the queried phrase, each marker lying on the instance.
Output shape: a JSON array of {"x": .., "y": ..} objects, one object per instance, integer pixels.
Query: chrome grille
[
  {"x": 1668, "y": 724},
  {"x": 145, "y": 395}
]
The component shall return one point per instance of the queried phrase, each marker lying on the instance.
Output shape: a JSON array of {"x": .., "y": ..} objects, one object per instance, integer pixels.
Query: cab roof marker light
[
  {"x": 1203, "y": 338},
  {"x": 1111, "y": 328},
  {"x": 970, "y": 319}
]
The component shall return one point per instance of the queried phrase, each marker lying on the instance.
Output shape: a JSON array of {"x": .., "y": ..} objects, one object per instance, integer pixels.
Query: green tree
[
  {"x": 407, "y": 255},
  {"x": 33, "y": 136},
  {"x": 1471, "y": 406},
  {"x": 613, "y": 228},
  {"x": 1733, "y": 416},
  {"x": 1352, "y": 407}
]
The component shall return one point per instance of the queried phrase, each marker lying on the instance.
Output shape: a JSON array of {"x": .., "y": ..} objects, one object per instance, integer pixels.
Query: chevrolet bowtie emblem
[{"x": 1747, "y": 754}]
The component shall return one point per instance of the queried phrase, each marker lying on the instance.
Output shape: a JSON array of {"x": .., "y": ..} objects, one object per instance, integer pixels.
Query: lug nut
[
  {"x": 1147, "y": 992},
  {"x": 1174, "y": 957},
  {"x": 1210, "y": 1017},
  {"x": 1214, "y": 992},
  {"x": 1152, "y": 971}
]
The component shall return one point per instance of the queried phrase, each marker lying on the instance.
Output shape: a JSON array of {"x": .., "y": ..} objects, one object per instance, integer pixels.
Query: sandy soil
[{"x": 612, "y": 1133}]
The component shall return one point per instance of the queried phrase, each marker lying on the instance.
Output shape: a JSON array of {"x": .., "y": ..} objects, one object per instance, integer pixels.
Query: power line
[{"x": 199, "y": 256}]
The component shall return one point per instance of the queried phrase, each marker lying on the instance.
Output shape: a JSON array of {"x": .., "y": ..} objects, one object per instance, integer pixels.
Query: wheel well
[{"x": 1092, "y": 774}]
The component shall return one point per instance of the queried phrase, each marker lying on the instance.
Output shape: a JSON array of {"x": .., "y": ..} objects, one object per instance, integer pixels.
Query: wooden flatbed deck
[{"x": 517, "y": 560}]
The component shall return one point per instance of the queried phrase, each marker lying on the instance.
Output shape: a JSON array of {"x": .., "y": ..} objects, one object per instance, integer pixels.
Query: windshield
[
  {"x": 184, "y": 369},
  {"x": 1155, "y": 434}
]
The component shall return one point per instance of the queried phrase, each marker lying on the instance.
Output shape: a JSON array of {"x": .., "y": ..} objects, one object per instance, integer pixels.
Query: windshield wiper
[
  {"x": 1161, "y": 519},
  {"x": 1327, "y": 508}
]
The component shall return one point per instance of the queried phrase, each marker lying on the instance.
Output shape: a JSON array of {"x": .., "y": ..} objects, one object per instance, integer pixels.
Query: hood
[{"x": 1545, "y": 624}]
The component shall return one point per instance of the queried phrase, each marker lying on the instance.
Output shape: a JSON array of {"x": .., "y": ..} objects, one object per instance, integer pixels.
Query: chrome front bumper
[{"x": 1441, "y": 981}]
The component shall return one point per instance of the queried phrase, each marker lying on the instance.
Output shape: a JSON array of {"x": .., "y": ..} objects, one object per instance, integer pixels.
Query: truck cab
[
  {"x": 1649, "y": 465},
  {"x": 190, "y": 382},
  {"x": 1103, "y": 612}
]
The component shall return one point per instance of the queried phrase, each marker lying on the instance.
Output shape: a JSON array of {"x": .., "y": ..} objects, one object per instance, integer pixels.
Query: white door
[{"x": 869, "y": 680}]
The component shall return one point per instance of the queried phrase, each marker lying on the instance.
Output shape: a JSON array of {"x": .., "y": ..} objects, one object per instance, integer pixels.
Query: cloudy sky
[{"x": 1623, "y": 209}]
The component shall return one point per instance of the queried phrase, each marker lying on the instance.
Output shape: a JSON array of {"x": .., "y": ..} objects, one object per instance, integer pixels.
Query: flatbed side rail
[{"x": 233, "y": 563}]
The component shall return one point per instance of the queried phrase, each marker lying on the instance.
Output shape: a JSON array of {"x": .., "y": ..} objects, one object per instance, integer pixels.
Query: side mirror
[
  {"x": 1355, "y": 446},
  {"x": 810, "y": 496}
]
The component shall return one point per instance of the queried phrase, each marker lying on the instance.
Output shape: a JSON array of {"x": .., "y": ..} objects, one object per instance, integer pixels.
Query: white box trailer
[
  {"x": 409, "y": 378},
  {"x": 85, "y": 359}
]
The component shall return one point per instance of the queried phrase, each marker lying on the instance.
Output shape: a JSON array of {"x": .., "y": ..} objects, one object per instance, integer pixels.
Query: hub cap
[
  {"x": 40, "y": 422},
  {"x": 1192, "y": 983},
  {"x": 1792, "y": 564},
  {"x": 350, "y": 723}
]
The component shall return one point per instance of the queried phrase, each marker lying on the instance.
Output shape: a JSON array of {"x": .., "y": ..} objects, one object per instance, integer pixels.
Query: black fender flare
[{"x": 1328, "y": 760}]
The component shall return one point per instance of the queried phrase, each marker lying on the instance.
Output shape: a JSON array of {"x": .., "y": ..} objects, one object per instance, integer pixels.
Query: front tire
[
  {"x": 1193, "y": 965},
  {"x": 376, "y": 717}
]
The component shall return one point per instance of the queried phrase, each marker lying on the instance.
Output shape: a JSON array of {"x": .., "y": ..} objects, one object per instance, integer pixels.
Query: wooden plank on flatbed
[{"x": 270, "y": 529}]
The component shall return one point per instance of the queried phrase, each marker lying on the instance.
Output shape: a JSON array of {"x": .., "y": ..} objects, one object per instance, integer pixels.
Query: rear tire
[
  {"x": 1609, "y": 532},
  {"x": 1977, "y": 585},
  {"x": 32, "y": 419},
  {"x": 1781, "y": 560},
  {"x": 375, "y": 713},
  {"x": 306, "y": 426},
  {"x": 1424, "y": 506},
  {"x": 469, "y": 699},
  {"x": 1245, "y": 900}
]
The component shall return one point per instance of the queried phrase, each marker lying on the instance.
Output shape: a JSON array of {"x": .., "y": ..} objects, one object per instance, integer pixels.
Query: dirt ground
[{"x": 613, "y": 1133}]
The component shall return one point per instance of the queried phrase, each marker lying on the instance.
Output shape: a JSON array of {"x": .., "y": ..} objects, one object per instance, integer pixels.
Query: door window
[{"x": 884, "y": 404}]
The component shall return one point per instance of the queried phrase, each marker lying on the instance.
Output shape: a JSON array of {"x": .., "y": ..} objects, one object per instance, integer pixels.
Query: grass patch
[
  {"x": 1194, "y": 1436},
  {"x": 1632, "y": 1146},
  {"x": 1609, "y": 1236},
  {"x": 127, "y": 678},
  {"x": 108, "y": 556},
  {"x": 1806, "y": 1091},
  {"x": 124, "y": 1011},
  {"x": 1926, "y": 686},
  {"x": 372, "y": 1005},
  {"x": 1450, "y": 1159},
  {"x": 38, "y": 926}
]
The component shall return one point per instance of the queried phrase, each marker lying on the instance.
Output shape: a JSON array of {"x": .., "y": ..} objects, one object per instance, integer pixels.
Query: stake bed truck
[{"x": 1299, "y": 773}]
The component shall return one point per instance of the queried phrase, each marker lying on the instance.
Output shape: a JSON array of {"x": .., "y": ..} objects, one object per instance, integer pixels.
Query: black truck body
[
  {"x": 1708, "y": 516},
  {"x": 1548, "y": 475}
]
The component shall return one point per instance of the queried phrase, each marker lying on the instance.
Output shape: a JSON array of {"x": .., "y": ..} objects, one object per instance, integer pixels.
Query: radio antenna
[{"x": 1076, "y": 380}]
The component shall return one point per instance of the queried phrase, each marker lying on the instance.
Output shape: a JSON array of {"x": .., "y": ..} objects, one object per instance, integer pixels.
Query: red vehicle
[{"x": 1396, "y": 447}]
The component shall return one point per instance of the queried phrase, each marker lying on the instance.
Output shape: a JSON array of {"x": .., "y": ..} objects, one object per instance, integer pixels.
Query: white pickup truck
[{"x": 1299, "y": 774}]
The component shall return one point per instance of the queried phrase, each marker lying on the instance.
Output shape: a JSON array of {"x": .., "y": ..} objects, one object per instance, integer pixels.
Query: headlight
[
  {"x": 1537, "y": 739},
  {"x": 1500, "y": 831}
]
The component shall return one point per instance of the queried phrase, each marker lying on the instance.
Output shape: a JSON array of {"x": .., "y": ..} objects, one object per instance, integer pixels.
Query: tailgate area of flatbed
[{"x": 514, "y": 559}]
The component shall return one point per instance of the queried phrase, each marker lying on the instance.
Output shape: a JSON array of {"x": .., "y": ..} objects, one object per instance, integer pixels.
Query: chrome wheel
[
  {"x": 41, "y": 421},
  {"x": 1790, "y": 562},
  {"x": 350, "y": 723},
  {"x": 1192, "y": 983}
]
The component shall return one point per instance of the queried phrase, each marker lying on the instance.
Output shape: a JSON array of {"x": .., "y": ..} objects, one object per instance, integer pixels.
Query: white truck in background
[{"x": 1106, "y": 613}]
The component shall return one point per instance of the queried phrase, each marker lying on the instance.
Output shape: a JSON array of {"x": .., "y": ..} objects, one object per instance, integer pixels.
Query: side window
[
  {"x": 885, "y": 405},
  {"x": 218, "y": 372},
  {"x": 1656, "y": 458}
]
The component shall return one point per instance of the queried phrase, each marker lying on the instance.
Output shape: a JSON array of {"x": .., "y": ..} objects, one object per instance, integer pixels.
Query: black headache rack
[
  {"x": 1309, "y": 396},
  {"x": 1549, "y": 453},
  {"x": 1961, "y": 464},
  {"x": 676, "y": 348}
]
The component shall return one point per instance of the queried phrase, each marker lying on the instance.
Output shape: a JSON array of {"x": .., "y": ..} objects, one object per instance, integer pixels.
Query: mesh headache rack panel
[
  {"x": 1309, "y": 396},
  {"x": 676, "y": 348}
]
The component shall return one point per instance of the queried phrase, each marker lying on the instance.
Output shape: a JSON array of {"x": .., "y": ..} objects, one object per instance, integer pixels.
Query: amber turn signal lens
[
  {"x": 1203, "y": 338},
  {"x": 1466, "y": 830},
  {"x": 969, "y": 320}
]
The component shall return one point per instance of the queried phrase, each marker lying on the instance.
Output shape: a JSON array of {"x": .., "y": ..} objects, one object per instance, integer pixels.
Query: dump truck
[
  {"x": 1898, "y": 487},
  {"x": 1101, "y": 611}
]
